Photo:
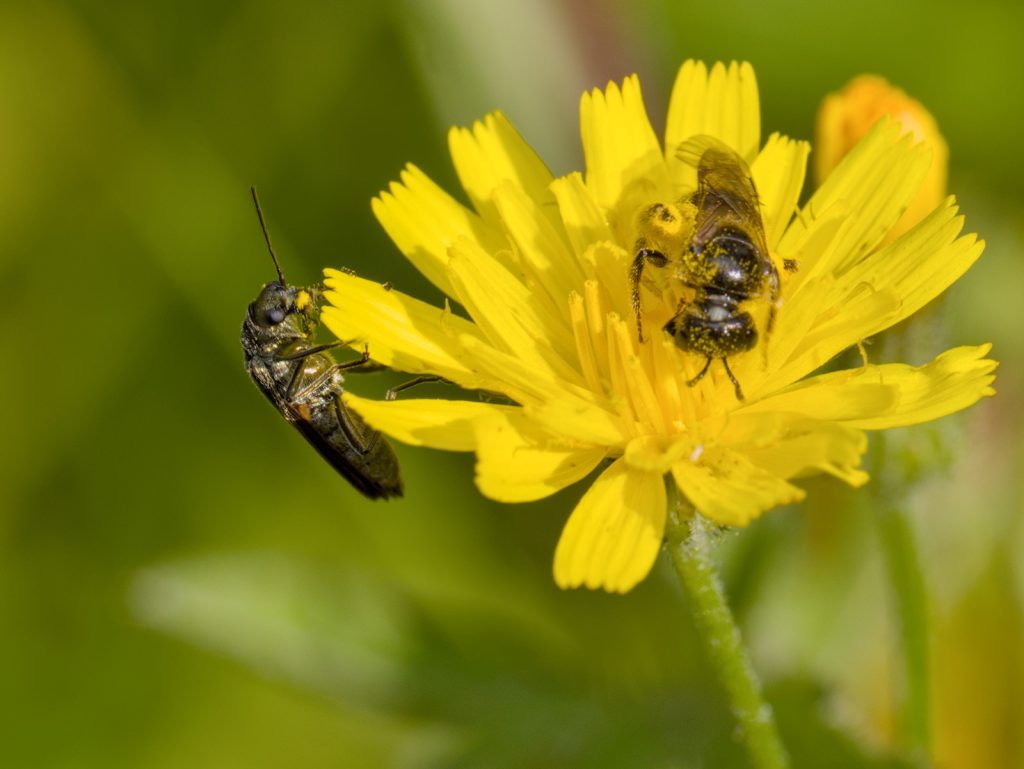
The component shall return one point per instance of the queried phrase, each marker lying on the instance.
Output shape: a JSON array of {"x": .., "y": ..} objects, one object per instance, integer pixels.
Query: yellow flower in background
[
  {"x": 540, "y": 267},
  {"x": 846, "y": 117}
]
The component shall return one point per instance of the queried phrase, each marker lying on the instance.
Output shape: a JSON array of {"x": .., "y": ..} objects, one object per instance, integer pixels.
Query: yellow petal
[
  {"x": 579, "y": 421},
  {"x": 891, "y": 395},
  {"x": 778, "y": 175},
  {"x": 953, "y": 381},
  {"x": 625, "y": 167},
  {"x": 840, "y": 395},
  {"x": 876, "y": 181},
  {"x": 524, "y": 382},
  {"x": 609, "y": 264},
  {"x": 827, "y": 315},
  {"x": 612, "y": 538},
  {"x": 811, "y": 246},
  {"x": 584, "y": 222},
  {"x": 636, "y": 385},
  {"x": 723, "y": 103},
  {"x": 845, "y": 319},
  {"x": 729, "y": 489},
  {"x": 423, "y": 220},
  {"x": 544, "y": 255},
  {"x": 517, "y": 462},
  {"x": 920, "y": 264},
  {"x": 507, "y": 312},
  {"x": 433, "y": 422},
  {"x": 654, "y": 454},
  {"x": 788, "y": 444},
  {"x": 401, "y": 332},
  {"x": 493, "y": 152}
]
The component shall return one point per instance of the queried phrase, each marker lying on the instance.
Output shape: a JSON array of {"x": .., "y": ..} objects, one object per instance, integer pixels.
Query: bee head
[
  {"x": 274, "y": 303},
  {"x": 277, "y": 302}
]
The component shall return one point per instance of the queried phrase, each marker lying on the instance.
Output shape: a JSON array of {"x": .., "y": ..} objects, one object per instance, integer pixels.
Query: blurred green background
[{"x": 184, "y": 583}]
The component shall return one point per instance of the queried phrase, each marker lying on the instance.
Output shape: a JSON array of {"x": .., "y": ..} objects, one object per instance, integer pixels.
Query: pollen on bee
[
  {"x": 661, "y": 220},
  {"x": 303, "y": 300}
]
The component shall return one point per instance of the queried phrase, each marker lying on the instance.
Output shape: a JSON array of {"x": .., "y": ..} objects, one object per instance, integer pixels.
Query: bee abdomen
[{"x": 713, "y": 328}]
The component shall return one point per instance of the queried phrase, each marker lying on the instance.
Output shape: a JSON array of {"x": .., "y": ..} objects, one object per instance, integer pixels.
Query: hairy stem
[{"x": 689, "y": 543}]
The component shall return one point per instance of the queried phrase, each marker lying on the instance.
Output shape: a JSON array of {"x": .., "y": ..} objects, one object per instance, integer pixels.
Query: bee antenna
[{"x": 266, "y": 234}]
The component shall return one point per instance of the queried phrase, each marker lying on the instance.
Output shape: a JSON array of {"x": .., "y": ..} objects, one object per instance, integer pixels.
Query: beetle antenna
[{"x": 266, "y": 234}]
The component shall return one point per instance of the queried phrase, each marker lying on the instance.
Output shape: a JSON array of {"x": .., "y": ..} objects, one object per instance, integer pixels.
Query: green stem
[
  {"x": 689, "y": 541},
  {"x": 910, "y": 595}
]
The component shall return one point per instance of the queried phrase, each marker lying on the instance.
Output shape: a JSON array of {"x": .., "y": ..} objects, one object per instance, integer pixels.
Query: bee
[
  {"x": 715, "y": 242},
  {"x": 304, "y": 383}
]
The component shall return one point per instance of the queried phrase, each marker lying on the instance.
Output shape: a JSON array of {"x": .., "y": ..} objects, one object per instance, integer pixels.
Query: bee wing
[
  {"x": 374, "y": 474},
  {"x": 725, "y": 187}
]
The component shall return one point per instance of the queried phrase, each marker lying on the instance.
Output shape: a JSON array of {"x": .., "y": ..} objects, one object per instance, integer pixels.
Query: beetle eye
[{"x": 275, "y": 315}]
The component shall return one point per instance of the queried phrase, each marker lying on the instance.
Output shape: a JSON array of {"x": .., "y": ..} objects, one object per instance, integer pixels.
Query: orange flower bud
[{"x": 844, "y": 118}]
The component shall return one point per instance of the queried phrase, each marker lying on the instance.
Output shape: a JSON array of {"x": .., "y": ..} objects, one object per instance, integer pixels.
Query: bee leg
[
  {"x": 293, "y": 384},
  {"x": 732, "y": 378},
  {"x": 362, "y": 365},
  {"x": 790, "y": 265},
  {"x": 355, "y": 440},
  {"x": 391, "y": 394},
  {"x": 635, "y": 272},
  {"x": 773, "y": 298},
  {"x": 703, "y": 371},
  {"x": 768, "y": 326},
  {"x": 311, "y": 351},
  {"x": 774, "y": 290}
]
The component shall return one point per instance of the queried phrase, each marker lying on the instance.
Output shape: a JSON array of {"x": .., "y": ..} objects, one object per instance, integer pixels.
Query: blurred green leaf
[{"x": 346, "y": 637}]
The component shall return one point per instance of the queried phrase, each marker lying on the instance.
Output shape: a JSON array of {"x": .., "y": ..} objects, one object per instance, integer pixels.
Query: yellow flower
[
  {"x": 540, "y": 267},
  {"x": 845, "y": 118}
]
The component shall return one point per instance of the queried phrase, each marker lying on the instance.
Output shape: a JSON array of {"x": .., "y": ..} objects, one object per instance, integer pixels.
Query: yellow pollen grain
[
  {"x": 584, "y": 343},
  {"x": 641, "y": 393}
]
